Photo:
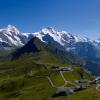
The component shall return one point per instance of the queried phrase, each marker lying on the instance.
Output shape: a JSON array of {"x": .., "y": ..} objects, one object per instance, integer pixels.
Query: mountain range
[{"x": 11, "y": 37}]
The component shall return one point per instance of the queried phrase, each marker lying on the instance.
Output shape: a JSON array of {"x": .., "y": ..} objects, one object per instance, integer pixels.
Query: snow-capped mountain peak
[
  {"x": 97, "y": 41},
  {"x": 12, "y": 37},
  {"x": 13, "y": 29},
  {"x": 81, "y": 39},
  {"x": 49, "y": 30},
  {"x": 50, "y": 34}
]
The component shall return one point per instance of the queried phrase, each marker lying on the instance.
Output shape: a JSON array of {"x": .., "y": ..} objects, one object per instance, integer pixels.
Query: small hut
[{"x": 63, "y": 91}]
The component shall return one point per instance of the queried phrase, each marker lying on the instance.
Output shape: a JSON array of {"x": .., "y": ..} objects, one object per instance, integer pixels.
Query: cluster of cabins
[
  {"x": 62, "y": 91},
  {"x": 63, "y": 69}
]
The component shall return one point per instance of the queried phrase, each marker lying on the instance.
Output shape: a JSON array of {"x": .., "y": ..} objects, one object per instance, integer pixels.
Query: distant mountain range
[{"x": 11, "y": 37}]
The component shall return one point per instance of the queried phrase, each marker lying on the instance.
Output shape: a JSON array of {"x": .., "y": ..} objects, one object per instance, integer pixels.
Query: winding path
[
  {"x": 61, "y": 73},
  {"x": 63, "y": 77},
  {"x": 50, "y": 81}
]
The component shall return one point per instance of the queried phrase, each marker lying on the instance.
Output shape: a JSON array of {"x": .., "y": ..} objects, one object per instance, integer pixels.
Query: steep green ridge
[
  {"x": 24, "y": 77},
  {"x": 43, "y": 49}
]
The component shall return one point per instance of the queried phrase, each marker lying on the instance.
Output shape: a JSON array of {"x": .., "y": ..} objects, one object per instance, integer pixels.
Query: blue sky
[{"x": 76, "y": 16}]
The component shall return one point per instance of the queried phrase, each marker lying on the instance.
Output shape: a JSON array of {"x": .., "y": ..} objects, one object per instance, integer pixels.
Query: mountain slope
[
  {"x": 79, "y": 45},
  {"x": 35, "y": 45}
]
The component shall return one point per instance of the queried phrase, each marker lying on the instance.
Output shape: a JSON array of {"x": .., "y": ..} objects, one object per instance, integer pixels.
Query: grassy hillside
[
  {"x": 26, "y": 77},
  {"x": 17, "y": 83}
]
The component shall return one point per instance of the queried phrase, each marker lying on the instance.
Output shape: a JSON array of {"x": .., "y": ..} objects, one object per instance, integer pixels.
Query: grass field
[
  {"x": 26, "y": 78},
  {"x": 16, "y": 84}
]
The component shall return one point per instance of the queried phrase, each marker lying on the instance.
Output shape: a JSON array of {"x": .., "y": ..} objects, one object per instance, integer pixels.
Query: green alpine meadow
[{"x": 42, "y": 72}]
